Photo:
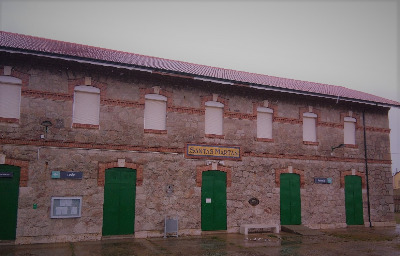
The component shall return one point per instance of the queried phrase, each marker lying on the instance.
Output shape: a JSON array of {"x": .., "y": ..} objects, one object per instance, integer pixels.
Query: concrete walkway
[{"x": 350, "y": 241}]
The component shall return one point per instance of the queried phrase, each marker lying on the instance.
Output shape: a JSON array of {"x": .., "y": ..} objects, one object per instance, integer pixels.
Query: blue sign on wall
[
  {"x": 66, "y": 175},
  {"x": 323, "y": 180}
]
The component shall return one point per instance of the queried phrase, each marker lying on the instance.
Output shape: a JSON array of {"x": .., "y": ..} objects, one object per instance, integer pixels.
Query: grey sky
[{"x": 347, "y": 43}]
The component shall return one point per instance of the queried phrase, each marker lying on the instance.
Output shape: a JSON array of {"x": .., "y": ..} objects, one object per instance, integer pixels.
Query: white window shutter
[
  {"x": 86, "y": 106},
  {"x": 155, "y": 114},
  {"x": 214, "y": 116},
  {"x": 10, "y": 100},
  {"x": 309, "y": 129},
  {"x": 264, "y": 125},
  {"x": 350, "y": 132}
]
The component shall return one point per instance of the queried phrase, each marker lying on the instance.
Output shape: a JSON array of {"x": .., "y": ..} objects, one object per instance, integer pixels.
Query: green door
[
  {"x": 213, "y": 201},
  {"x": 9, "y": 189},
  {"x": 353, "y": 200},
  {"x": 119, "y": 201},
  {"x": 290, "y": 199}
]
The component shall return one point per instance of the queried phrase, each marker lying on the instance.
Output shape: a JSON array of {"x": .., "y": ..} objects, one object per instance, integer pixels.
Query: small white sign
[
  {"x": 208, "y": 200},
  {"x": 121, "y": 162}
]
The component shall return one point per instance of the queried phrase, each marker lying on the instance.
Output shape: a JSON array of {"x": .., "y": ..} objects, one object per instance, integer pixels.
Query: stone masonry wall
[{"x": 48, "y": 95}]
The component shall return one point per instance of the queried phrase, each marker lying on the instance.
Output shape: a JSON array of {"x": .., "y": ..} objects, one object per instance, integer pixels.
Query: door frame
[
  {"x": 296, "y": 197},
  {"x": 16, "y": 170},
  {"x": 122, "y": 169},
  {"x": 220, "y": 226},
  {"x": 359, "y": 219}
]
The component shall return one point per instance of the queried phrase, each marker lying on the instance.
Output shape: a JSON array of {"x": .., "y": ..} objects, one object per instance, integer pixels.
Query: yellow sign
[{"x": 212, "y": 152}]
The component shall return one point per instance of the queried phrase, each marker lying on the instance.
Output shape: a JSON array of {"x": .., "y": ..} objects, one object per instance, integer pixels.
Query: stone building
[{"x": 96, "y": 142}]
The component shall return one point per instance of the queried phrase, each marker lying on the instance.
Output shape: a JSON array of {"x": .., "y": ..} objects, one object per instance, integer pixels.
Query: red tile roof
[{"x": 24, "y": 43}]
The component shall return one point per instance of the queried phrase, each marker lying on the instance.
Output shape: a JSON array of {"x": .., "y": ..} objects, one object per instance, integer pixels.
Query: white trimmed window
[
  {"x": 10, "y": 97},
  {"x": 264, "y": 122},
  {"x": 309, "y": 127},
  {"x": 155, "y": 112},
  {"x": 214, "y": 117},
  {"x": 350, "y": 130},
  {"x": 86, "y": 108}
]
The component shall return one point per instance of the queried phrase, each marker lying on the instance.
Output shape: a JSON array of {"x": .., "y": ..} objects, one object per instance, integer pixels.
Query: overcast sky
[{"x": 352, "y": 43}]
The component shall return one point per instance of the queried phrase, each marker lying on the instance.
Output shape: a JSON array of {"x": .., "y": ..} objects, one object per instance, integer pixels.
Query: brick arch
[
  {"x": 17, "y": 74},
  {"x": 316, "y": 111},
  {"x": 81, "y": 81},
  {"x": 220, "y": 99},
  {"x": 272, "y": 106},
  {"x": 356, "y": 173},
  {"x": 204, "y": 168},
  {"x": 163, "y": 92},
  {"x": 286, "y": 170},
  {"x": 24, "y": 175},
  {"x": 104, "y": 166}
]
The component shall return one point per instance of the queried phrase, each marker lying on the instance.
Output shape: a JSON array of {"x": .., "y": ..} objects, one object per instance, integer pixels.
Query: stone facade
[{"x": 159, "y": 157}]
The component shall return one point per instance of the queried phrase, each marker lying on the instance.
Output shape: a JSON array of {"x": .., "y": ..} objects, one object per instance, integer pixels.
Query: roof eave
[{"x": 188, "y": 75}]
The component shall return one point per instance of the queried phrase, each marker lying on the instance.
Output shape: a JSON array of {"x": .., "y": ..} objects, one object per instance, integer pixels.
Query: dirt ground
[{"x": 349, "y": 241}]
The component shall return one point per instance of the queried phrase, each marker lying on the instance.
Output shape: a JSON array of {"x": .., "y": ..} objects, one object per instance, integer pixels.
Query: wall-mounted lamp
[
  {"x": 339, "y": 146},
  {"x": 46, "y": 124}
]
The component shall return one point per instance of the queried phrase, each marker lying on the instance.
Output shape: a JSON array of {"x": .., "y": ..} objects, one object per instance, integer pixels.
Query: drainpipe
[{"x": 366, "y": 169}]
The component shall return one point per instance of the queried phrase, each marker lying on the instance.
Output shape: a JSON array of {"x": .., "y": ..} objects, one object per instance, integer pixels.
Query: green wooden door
[
  {"x": 290, "y": 199},
  {"x": 119, "y": 201},
  {"x": 213, "y": 201},
  {"x": 353, "y": 200},
  {"x": 9, "y": 189}
]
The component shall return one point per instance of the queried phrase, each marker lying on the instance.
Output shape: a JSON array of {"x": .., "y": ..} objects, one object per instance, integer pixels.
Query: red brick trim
[
  {"x": 17, "y": 74},
  {"x": 186, "y": 110},
  {"x": 350, "y": 146},
  {"x": 220, "y": 99},
  {"x": 47, "y": 95},
  {"x": 9, "y": 120},
  {"x": 240, "y": 116},
  {"x": 163, "y": 92},
  {"x": 204, "y": 168},
  {"x": 155, "y": 131},
  {"x": 214, "y": 136},
  {"x": 24, "y": 174},
  {"x": 286, "y": 120},
  {"x": 332, "y": 125},
  {"x": 69, "y": 144},
  {"x": 104, "y": 166},
  {"x": 303, "y": 110},
  {"x": 81, "y": 81},
  {"x": 310, "y": 143},
  {"x": 122, "y": 103},
  {"x": 86, "y": 126},
  {"x": 354, "y": 115},
  {"x": 264, "y": 140},
  {"x": 350, "y": 172},
  {"x": 377, "y": 129},
  {"x": 274, "y": 107},
  {"x": 278, "y": 173}
]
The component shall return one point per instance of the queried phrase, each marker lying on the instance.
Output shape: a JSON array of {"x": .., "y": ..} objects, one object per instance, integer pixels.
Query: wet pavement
[{"x": 350, "y": 241}]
